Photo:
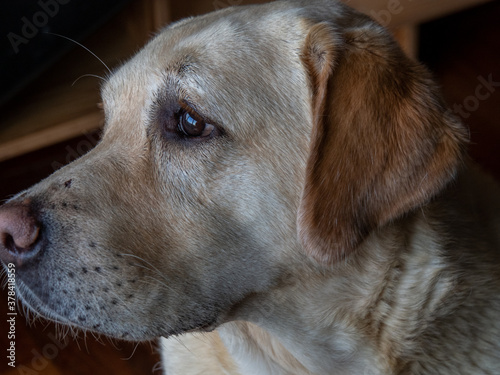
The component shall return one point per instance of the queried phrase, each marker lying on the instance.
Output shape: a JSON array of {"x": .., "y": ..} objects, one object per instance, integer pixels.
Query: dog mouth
[
  {"x": 110, "y": 295},
  {"x": 35, "y": 306}
]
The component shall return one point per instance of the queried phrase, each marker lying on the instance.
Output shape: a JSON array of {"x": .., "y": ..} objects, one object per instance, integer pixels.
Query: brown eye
[{"x": 191, "y": 126}]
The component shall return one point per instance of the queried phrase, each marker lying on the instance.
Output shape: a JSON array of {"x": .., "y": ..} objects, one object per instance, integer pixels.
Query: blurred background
[{"x": 50, "y": 113}]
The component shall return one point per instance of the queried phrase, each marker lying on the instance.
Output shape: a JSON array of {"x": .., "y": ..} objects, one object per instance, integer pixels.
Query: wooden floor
[{"x": 462, "y": 50}]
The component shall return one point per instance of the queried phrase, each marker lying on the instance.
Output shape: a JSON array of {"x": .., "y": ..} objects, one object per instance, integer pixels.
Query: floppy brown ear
[{"x": 382, "y": 142}]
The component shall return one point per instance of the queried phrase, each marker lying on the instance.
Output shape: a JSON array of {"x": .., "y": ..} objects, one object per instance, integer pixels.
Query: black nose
[{"x": 19, "y": 232}]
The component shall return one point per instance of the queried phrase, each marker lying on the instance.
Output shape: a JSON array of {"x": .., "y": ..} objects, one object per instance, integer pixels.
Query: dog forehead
[
  {"x": 252, "y": 37},
  {"x": 225, "y": 41},
  {"x": 236, "y": 38},
  {"x": 237, "y": 65}
]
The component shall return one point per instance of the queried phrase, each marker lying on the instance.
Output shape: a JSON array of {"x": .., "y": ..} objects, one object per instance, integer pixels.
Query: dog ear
[{"x": 382, "y": 142}]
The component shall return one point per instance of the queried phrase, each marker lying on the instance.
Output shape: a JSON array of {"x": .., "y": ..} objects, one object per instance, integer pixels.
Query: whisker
[
  {"x": 133, "y": 352},
  {"x": 157, "y": 367},
  {"x": 87, "y": 75},
  {"x": 153, "y": 268},
  {"x": 81, "y": 45},
  {"x": 112, "y": 341}
]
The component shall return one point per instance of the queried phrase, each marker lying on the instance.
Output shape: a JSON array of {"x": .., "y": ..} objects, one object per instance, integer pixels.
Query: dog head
[{"x": 238, "y": 147}]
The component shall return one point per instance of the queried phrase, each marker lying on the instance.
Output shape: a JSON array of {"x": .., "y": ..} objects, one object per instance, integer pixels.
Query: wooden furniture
[{"x": 62, "y": 104}]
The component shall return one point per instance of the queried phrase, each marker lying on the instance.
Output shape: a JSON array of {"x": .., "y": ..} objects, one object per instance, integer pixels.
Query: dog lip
[
  {"x": 207, "y": 326},
  {"x": 35, "y": 304}
]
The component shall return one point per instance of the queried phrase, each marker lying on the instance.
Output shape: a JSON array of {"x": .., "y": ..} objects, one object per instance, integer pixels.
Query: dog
[{"x": 278, "y": 190}]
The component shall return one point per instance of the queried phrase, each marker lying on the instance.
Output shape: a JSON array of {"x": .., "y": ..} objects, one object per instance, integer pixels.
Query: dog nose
[{"x": 19, "y": 232}]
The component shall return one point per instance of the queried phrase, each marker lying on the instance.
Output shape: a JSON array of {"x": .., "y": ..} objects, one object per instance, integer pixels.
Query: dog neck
[
  {"x": 352, "y": 319},
  {"x": 406, "y": 298}
]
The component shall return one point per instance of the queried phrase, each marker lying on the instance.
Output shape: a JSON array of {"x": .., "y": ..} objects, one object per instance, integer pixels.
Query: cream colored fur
[{"x": 319, "y": 216}]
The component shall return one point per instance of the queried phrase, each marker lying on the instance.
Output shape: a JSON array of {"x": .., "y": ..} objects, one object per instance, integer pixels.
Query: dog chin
[
  {"x": 199, "y": 324},
  {"x": 35, "y": 307}
]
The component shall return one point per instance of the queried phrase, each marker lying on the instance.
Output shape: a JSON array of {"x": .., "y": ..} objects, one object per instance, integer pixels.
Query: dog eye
[{"x": 191, "y": 125}]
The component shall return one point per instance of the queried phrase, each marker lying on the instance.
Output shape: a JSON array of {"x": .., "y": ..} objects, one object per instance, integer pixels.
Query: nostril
[
  {"x": 19, "y": 232},
  {"x": 7, "y": 241}
]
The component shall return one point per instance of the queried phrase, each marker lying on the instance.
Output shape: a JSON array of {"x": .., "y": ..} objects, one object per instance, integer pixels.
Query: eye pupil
[
  {"x": 190, "y": 126},
  {"x": 190, "y": 120}
]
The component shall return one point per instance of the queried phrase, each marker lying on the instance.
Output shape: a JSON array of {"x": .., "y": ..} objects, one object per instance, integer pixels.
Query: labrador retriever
[{"x": 278, "y": 190}]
